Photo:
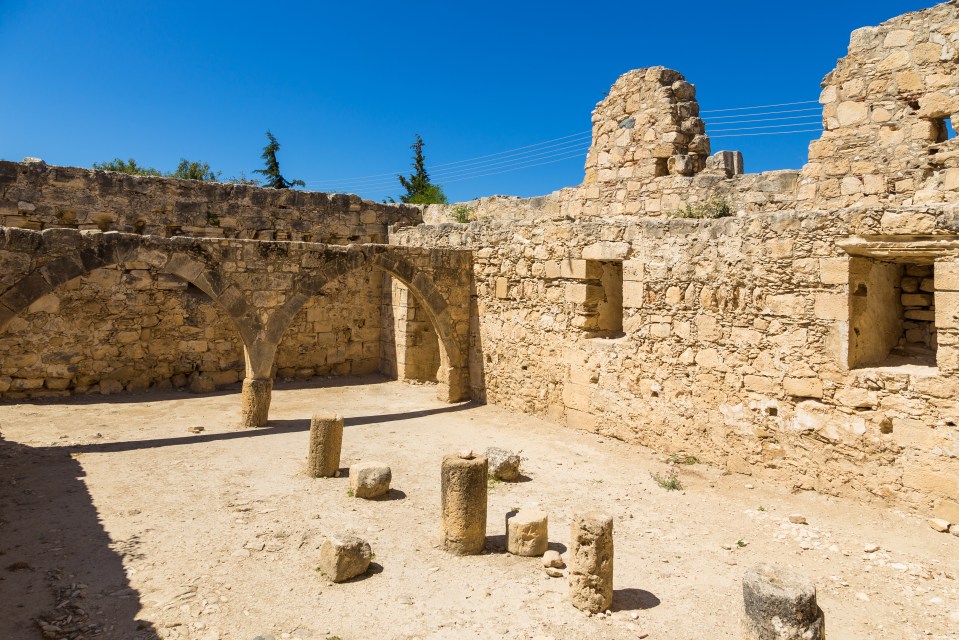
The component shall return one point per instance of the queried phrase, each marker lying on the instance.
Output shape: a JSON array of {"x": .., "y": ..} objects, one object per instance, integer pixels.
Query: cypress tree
[
  {"x": 419, "y": 189},
  {"x": 273, "y": 178}
]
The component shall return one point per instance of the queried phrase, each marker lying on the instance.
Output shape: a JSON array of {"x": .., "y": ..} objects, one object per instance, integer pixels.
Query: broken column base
[
  {"x": 326, "y": 441},
  {"x": 255, "y": 402},
  {"x": 780, "y": 605},
  {"x": 591, "y": 561}
]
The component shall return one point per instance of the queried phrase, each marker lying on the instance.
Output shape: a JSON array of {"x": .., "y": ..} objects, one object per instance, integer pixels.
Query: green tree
[
  {"x": 272, "y": 176},
  {"x": 187, "y": 170},
  {"x": 129, "y": 166},
  {"x": 419, "y": 189}
]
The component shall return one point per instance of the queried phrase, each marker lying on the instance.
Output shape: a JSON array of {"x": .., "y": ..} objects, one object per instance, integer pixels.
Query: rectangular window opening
[
  {"x": 892, "y": 314},
  {"x": 609, "y": 310}
]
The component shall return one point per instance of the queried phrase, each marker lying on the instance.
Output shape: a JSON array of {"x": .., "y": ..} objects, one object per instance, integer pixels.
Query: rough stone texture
[
  {"x": 591, "y": 561},
  {"x": 255, "y": 402},
  {"x": 527, "y": 532},
  {"x": 463, "y": 504},
  {"x": 503, "y": 464},
  {"x": 780, "y": 605},
  {"x": 326, "y": 441},
  {"x": 344, "y": 557},
  {"x": 370, "y": 479},
  {"x": 263, "y": 288},
  {"x": 37, "y": 196}
]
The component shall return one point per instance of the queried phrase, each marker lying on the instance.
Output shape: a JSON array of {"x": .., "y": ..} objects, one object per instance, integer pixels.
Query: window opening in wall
[
  {"x": 609, "y": 310},
  {"x": 950, "y": 130},
  {"x": 892, "y": 314}
]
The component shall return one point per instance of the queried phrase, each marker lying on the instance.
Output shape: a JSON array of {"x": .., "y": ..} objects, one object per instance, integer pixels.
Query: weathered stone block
[
  {"x": 370, "y": 479},
  {"x": 780, "y": 605},
  {"x": 527, "y": 532},
  {"x": 503, "y": 464},
  {"x": 344, "y": 557}
]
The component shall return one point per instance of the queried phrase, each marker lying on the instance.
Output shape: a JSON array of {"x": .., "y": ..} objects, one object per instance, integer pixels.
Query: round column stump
[
  {"x": 326, "y": 440},
  {"x": 780, "y": 605},
  {"x": 255, "y": 402},
  {"x": 463, "y": 485},
  {"x": 591, "y": 561}
]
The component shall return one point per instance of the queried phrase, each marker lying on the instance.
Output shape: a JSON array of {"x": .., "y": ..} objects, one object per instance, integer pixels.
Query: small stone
[
  {"x": 749, "y": 486},
  {"x": 938, "y": 524},
  {"x": 862, "y": 596},
  {"x": 241, "y": 553},
  {"x": 954, "y": 529},
  {"x": 797, "y": 519},
  {"x": 467, "y": 454},
  {"x": 553, "y": 572},
  {"x": 503, "y": 464},
  {"x": 370, "y": 479},
  {"x": 195, "y": 429},
  {"x": 342, "y": 558},
  {"x": 870, "y": 548},
  {"x": 552, "y": 558}
]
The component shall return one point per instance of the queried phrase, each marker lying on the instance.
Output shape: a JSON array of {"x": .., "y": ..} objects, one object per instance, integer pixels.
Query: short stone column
[
  {"x": 591, "y": 561},
  {"x": 463, "y": 487},
  {"x": 255, "y": 402},
  {"x": 527, "y": 532},
  {"x": 780, "y": 605},
  {"x": 326, "y": 440}
]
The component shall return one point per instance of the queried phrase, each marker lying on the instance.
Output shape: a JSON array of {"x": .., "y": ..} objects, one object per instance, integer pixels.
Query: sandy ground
[{"x": 115, "y": 517}]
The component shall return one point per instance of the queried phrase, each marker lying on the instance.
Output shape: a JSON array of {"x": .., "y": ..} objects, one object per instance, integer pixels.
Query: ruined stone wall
[
  {"x": 36, "y": 196},
  {"x": 134, "y": 329},
  {"x": 734, "y": 343},
  {"x": 885, "y": 108}
]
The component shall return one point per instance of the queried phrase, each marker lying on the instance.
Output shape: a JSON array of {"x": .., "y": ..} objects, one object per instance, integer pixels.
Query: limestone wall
[
  {"x": 884, "y": 112},
  {"x": 134, "y": 329},
  {"x": 735, "y": 341},
  {"x": 36, "y": 196}
]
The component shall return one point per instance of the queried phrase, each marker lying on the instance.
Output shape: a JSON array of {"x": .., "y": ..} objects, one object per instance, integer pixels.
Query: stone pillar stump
[
  {"x": 255, "y": 402},
  {"x": 326, "y": 440},
  {"x": 780, "y": 605},
  {"x": 527, "y": 532},
  {"x": 591, "y": 561},
  {"x": 463, "y": 486}
]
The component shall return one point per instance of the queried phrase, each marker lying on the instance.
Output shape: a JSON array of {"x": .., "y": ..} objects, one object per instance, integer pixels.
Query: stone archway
[
  {"x": 46, "y": 262},
  {"x": 453, "y": 374}
]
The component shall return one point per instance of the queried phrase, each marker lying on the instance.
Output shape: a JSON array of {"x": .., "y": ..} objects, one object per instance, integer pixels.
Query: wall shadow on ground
[{"x": 56, "y": 559}]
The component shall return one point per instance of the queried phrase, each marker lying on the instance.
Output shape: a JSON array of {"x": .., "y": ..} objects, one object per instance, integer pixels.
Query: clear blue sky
[{"x": 345, "y": 85}]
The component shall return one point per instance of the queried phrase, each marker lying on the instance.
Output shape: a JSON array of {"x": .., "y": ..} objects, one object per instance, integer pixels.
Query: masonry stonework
[{"x": 807, "y": 331}]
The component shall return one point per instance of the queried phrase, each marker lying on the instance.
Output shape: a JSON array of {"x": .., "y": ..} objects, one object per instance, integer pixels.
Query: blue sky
[{"x": 345, "y": 86}]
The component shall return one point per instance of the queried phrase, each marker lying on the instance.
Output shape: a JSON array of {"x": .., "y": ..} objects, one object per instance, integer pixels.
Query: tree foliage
[
  {"x": 129, "y": 166},
  {"x": 273, "y": 179},
  {"x": 419, "y": 189},
  {"x": 188, "y": 170}
]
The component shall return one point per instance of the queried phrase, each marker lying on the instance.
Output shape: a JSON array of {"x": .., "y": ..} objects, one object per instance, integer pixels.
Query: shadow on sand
[{"x": 58, "y": 566}]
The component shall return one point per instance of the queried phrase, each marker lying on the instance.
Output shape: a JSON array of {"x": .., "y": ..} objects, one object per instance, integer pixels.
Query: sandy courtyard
[{"x": 113, "y": 514}]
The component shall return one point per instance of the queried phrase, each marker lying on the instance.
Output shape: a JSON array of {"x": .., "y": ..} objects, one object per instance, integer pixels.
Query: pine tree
[
  {"x": 419, "y": 189},
  {"x": 273, "y": 178}
]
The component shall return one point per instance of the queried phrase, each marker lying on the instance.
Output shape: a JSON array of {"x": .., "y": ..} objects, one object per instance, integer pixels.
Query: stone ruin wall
[
  {"x": 733, "y": 344},
  {"x": 133, "y": 328},
  {"x": 812, "y": 337},
  {"x": 883, "y": 142}
]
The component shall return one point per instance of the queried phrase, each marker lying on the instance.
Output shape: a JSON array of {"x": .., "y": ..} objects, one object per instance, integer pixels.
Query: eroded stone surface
[
  {"x": 370, "y": 479},
  {"x": 344, "y": 557}
]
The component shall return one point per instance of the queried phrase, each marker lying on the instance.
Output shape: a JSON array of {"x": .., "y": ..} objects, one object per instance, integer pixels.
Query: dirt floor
[{"x": 115, "y": 517}]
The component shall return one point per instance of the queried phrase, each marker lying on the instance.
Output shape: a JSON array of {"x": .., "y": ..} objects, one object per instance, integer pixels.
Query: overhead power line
[
  {"x": 576, "y": 144},
  {"x": 762, "y": 106}
]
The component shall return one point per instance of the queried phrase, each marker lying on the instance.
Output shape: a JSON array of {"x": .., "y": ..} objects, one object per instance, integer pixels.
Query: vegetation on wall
[
  {"x": 419, "y": 189},
  {"x": 273, "y": 179}
]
